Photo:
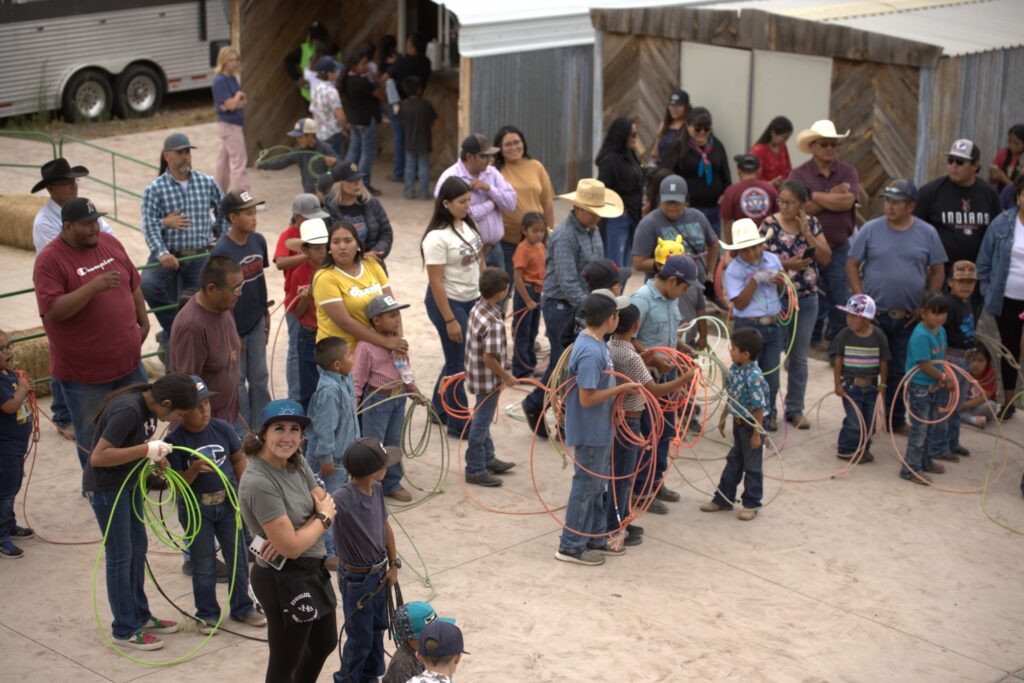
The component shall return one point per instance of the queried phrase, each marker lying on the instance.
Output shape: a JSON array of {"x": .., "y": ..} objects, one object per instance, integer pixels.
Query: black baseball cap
[
  {"x": 441, "y": 639},
  {"x": 236, "y": 200},
  {"x": 679, "y": 98},
  {"x": 79, "y": 210},
  {"x": 345, "y": 172},
  {"x": 900, "y": 190},
  {"x": 747, "y": 162},
  {"x": 369, "y": 455},
  {"x": 601, "y": 273},
  {"x": 478, "y": 144}
]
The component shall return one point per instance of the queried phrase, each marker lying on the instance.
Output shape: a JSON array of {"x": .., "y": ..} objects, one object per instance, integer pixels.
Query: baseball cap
[
  {"x": 177, "y": 141},
  {"x": 302, "y": 127},
  {"x": 673, "y": 189},
  {"x": 680, "y": 266},
  {"x": 411, "y": 618},
  {"x": 327, "y": 63},
  {"x": 325, "y": 182},
  {"x": 236, "y": 200},
  {"x": 284, "y": 410},
  {"x": 79, "y": 210},
  {"x": 600, "y": 272},
  {"x": 345, "y": 172},
  {"x": 441, "y": 639},
  {"x": 964, "y": 270},
  {"x": 204, "y": 391},
  {"x": 313, "y": 231},
  {"x": 478, "y": 144},
  {"x": 599, "y": 304},
  {"x": 965, "y": 149},
  {"x": 382, "y": 303},
  {"x": 620, "y": 301},
  {"x": 900, "y": 190},
  {"x": 679, "y": 98},
  {"x": 308, "y": 206},
  {"x": 747, "y": 162},
  {"x": 366, "y": 456},
  {"x": 860, "y": 305}
]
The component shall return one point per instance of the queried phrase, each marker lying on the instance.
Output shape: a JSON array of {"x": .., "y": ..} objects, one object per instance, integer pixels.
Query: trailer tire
[
  {"x": 138, "y": 92},
  {"x": 87, "y": 97}
]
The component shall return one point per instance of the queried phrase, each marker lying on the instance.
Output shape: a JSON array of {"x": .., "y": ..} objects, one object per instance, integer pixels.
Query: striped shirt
[
  {"x": 374, "y": 368},
  {"x": 860, "y": 356},
  {"x": 199, "y": 200},
  {"x": 485, "y": 333}
]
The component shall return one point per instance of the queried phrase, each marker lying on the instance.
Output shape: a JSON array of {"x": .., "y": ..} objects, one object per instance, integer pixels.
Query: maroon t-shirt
[
  {"x": 751, "y": 198},
  {"x": 837, "y": 225},
  {"x": 102, "y": 341},
  {"x": 207, "y": 344}
]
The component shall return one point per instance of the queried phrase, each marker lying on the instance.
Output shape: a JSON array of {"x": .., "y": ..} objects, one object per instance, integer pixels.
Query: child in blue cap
[{"x": 409, "y": 621}]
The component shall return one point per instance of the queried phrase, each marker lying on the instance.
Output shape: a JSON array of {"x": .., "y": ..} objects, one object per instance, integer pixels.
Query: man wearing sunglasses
[{"x": 960, "y": 205}]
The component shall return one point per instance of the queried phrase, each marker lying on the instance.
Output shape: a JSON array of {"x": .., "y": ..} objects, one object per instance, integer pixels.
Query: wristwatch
[
  {"x": 324, "y": 519},
  {"x": 396, "y": 563}
]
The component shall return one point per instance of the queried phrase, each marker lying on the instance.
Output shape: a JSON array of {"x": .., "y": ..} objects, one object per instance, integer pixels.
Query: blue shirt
[
  {"x": 748, "y": 390},
  {"x": 896, "y": 262},
  {"x": 924, "y": 345},
  {"x": 218, "y": 442},
  {"x": 199, "y": 200},
  {"x": 333, "y": 413},
  {"x": 224, "y": 88},
  {"x": 659, "y": 317},
  {"x": 766, "y": 297},
  {"x": 251, "y": 307},
  {"x": 589, "y": 363},
  {"x": 15, "y": 428}
]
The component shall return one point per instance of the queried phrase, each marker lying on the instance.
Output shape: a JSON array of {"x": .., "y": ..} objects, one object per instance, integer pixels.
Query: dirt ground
[{"x": 861, "y": 578}]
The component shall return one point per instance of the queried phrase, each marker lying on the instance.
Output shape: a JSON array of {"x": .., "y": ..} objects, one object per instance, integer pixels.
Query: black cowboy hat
[{"x": 59, "y": 169}]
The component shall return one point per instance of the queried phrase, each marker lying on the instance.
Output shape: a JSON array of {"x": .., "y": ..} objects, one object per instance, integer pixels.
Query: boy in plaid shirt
[{"x": 486, "y": 370}]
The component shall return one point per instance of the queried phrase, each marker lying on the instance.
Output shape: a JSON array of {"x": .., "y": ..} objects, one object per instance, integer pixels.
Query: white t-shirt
[
  {"x": 48, "y": 224},
  {"x": 1015, "y": 277},
  {"x": 460, "y": 254}
]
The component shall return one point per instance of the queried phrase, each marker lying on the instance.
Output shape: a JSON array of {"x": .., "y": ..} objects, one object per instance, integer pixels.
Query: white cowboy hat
[
  {"x": 820, "y": 129},
  {"x": 313, "y": 231},
  {"x": 594, "y": 197},
  {"x": 744, "y": 234}
]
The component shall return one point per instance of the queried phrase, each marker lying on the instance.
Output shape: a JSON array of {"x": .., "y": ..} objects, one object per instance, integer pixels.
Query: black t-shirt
[
  {"x": 960, "y": 324},
  {"x": 959, "y": 214},
  {"x": 125, "y": 422},
  {"x": 410, "y": 65},
  {"x": 354, "y": 214},
  {"x": 360, "y": 105},
  {"x": 417, "y": 116}
]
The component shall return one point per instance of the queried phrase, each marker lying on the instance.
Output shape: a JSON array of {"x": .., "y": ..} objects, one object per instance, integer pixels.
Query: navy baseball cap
[
  {"x": 284, "y": 410},
  {"x": 680, "y": 266},
  {"x": 327, "y": 63},
  {"x": 900, "y": 190},
  {"x": 204, "y": 391},
  {"x": 441, "y": 639}
]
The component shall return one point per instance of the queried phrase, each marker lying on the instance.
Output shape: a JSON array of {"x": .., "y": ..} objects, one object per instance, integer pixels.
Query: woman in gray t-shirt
[{"x": 282, "y": 505}]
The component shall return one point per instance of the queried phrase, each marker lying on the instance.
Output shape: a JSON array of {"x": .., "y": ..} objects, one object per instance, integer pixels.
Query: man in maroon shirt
[
  {"x": 749, "y": 198},
  {"x": 204, "y": 340},
  {"x": 94, "y": 315},
  {"x": 834, "y": 189}
]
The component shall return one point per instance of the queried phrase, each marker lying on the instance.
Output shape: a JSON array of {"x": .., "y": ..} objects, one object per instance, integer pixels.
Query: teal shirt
[{"x": 924, "y": 345}]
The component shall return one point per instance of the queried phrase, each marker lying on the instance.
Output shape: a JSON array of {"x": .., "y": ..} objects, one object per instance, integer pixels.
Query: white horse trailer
[{"x": 89, "y": 58}]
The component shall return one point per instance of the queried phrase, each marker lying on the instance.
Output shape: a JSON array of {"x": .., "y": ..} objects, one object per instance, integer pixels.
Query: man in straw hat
[
  {"x": 574, "y": 243},
  {"x": 834, "y": 188}
]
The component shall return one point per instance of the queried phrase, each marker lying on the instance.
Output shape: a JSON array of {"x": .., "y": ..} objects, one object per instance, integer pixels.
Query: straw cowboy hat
[
  {"x": 820, "y": 129},
  {"x": 594, "y": 197},
  {"x": 744, "y": 234}
]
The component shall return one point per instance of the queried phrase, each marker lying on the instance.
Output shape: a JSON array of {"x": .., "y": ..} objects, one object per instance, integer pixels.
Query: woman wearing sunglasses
[{"x": 700, "y": 158}]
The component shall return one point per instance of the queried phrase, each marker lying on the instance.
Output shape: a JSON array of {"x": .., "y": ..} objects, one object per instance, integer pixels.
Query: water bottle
[{"x": 404, "y": 369}]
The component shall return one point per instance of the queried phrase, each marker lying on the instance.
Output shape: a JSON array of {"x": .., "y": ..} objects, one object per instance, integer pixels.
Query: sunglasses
[
  {"x": 485, "y": 156},
  {"x": 702, "y": 129},
  {"x": 237, "y": 290},
  {"x": 956, "y": 161},
  {"x": 826, "y": 143}
]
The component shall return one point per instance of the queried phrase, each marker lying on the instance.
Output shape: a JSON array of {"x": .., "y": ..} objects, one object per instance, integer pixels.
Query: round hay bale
[
  {"x": 17, "y": 213},
  {"x": 33, "y": 356}
]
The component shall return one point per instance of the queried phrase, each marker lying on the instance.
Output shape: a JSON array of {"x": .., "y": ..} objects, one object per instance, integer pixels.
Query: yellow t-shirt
[
  {"x": 533, "y": 190},
  {"x": 355, "y": 291}
]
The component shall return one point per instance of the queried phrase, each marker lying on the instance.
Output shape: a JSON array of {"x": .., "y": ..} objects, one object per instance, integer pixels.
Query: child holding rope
[
  {"x": 528, "y": 268},
  {"x": 15, "y": 431},
  {"x": 927, "y": 344}
]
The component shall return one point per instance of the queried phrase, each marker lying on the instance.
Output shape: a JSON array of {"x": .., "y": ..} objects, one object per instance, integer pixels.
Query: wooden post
[
  {"x": 236, "y": 24},
  {"x": 465, "y": 92}
]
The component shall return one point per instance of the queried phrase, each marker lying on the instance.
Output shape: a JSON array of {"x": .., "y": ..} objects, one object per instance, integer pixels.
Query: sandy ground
[{"x": 864, "y": 578}]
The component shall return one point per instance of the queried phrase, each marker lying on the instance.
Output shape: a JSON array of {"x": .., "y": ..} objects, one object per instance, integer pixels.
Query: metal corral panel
[
  {"x": 548, "y": 94},
  {"x": 38, "y": 57}
]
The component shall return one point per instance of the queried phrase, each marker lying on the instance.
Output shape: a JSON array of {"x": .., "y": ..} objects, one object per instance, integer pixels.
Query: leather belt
[
  {"x": 863, "y": 381},
  {"x": 363, "y": 569},
  {"x": 897, "y": 313},
  {"x": 383, "y": 391},
  {"x": 633, "y": 414},
  {"x": 764, "y": 320}
]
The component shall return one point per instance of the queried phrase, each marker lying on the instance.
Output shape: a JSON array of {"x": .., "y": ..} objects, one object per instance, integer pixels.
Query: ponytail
[{"x": 176, "y": 387}]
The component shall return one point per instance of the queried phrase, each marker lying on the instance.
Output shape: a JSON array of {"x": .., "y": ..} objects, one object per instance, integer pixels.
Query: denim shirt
[
  {"x": 659, "y": 317},
  {"x": 994, "y": 259},
  {"x": 333, "y": 413}
]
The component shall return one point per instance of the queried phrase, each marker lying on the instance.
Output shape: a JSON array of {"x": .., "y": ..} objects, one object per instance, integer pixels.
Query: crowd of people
[{"x": 895, "y": 300}]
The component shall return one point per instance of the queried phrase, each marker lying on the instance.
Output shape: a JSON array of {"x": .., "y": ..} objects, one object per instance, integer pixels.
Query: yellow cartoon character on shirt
[{"x": 667, "y": 249}]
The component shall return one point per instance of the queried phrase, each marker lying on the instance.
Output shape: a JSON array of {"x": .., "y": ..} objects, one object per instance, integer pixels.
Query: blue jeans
[
  {"x": 362, "y": 656},
  {"x": 162, "y": 287},
  {"x": 219, "y": 525},
  {"x": 945, "y": 436},
  {"x": 768, "y": 359},
  {"x": 480, "y": 449},
  {"x": 417, "y": 167},
  {"x": 362, "y": 148},
  {"x": 796, "y": 361},
  {"x": 617, "y": 234},
  {"x": 585, "y": 511},
  {"x": 849, "y": 435},
  {"x": 742, "y": 463},
  {"x": 291, "y": 367},
  {"x": 557, "y": 314},
  {"x": 508, "y": 250},
  {"x": 59, "y": 407},
  {"x": 712, "y": 213},
  {"x": 494, "y": 256},
  {"x": 643, "y": 484},
  {"x": 83, "y": 400},
  {"x": 923, "y": 405},
  {"x": 898, "y": 334},
  {"x": 382, "y": 418},
  {"x": 525, "y": 326},
  {"x": 12, "y": 470},
  {"x": 833, "y": 290},
  {"x": 454, "y": 359},
  {"x": 337, "y": 143},
  {"x": 309, "y": 372},
  {"x": 253, "y": 378},
  {"x": 623, "y": 463},
  {"x": 398, "y": 148},
  {"x": 126, "y": 559}
]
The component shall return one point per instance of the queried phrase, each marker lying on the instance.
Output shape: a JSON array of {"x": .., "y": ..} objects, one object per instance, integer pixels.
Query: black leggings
[
  {"x": 297, "y": 653},
  {"x": 1010, "y": 327}
]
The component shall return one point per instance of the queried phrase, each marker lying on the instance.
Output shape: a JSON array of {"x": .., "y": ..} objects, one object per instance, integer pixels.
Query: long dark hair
[
  {"x": 341, "y": 225},
  {"x": 666, "y": 120},
  {"x": 780, "y": 125},
  {"x": 163, "y": 165},
  {"x": 387, "y": 46},
  {"x": 451, "y": 188},
  {"x": 1016, "y": 131},
  {"x": 616, "y": 140},
  {"x": 677, "y": 150},
  {"x": 176, "y": 387},
  {"x": 499, "y": 157}
]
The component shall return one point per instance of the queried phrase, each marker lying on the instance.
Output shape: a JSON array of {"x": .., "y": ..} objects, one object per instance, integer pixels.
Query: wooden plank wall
[{"x": 878, "y": 103}]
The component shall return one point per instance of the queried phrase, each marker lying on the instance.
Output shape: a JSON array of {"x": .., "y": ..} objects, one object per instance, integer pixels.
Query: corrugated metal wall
[
  {"x": 975, "y": 96},
  {"x": 548, "y": 94}
]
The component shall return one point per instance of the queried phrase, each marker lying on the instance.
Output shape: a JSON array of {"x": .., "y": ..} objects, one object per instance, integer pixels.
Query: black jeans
[
  {"x": 1010, "y": 326},
  {"x": 298, "y": 652}
]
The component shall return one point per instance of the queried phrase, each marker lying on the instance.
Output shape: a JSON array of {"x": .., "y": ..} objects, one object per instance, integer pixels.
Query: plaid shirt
[
  {"x": 748, "y": 390},
  {"x": 485, "y": 333},
  {"x": 164, "y": 195},
  {"x": 570, "y": 247},
  {"x": 374, "y": 368}
]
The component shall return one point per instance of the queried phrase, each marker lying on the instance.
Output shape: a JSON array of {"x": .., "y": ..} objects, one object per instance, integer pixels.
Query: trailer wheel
[
  {"x": 138, "y": 92},
  {"x": 87, "y": 97}
]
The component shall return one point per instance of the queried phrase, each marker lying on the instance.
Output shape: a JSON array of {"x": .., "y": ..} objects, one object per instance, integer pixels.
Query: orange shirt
[{"x": 530, "y": 259}]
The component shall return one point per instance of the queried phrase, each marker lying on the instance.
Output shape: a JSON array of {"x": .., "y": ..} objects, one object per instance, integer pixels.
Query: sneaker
[
  {"x": 141, "y": 641},
  {"x": 798, "y": 420},
  {"x": 844, "y": 456},
  {"x": 604, "y": 549},
  {"x": 935, "y": 468},
  {"x": 632, "y": 539},
  {"x": 960, "y": 450},
  {"x": 979, "y": 421},
  {"x": 658, "y": 508},
  {"x": 495, "y": 466},
  {"x": 587, "y": 558},
  {"x": 634, "y": 529},
  {"x": 747, "y": 514},
  {"x": 400, "y": 494},
  {"x": 919, "y": 478},
  {"x": 155, "y": 625},
  {"x": 207, "y": 628},
  {"x": 666, "y": 494},
  {"x": 712, "y": 506},
  {"x": 21, "y": 533},
  {"x": 771, "y": 424},
  {"x": 253, "y": 618},
  {"x": 537, "y": 424},
  {"x": 485, "y": 479},
  {"x": 951, "y": 457},
  {"x": 1007, "y": 410},
  {"x": 9, "y": 551},
  {"x": 868, "y": 456}
]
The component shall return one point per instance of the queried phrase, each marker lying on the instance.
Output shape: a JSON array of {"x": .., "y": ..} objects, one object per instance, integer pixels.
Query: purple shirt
[
  {"x": 484, "y": 207},
  {"x": 837, "y": 225}
]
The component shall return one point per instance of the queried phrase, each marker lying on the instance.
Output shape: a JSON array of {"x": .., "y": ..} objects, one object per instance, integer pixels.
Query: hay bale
[
  {"x": 33, "y": 356},
  {"x": 17, "y": 213}
]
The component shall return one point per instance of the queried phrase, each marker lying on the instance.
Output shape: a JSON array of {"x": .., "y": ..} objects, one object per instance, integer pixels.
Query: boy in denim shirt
[{"x": 927, "y": 344}]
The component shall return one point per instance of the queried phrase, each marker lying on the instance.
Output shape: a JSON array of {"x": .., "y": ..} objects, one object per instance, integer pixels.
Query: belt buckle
[
  {"x": 766, "y": 320},
  {"x": 896, "y": 314},
  {"x": 213, "y": 497}
]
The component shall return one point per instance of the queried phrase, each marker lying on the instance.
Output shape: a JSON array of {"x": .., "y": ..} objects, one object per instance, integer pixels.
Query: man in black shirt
[
  {"x": 360, "y": 96},
  {"x": 412, "y": 63}
]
